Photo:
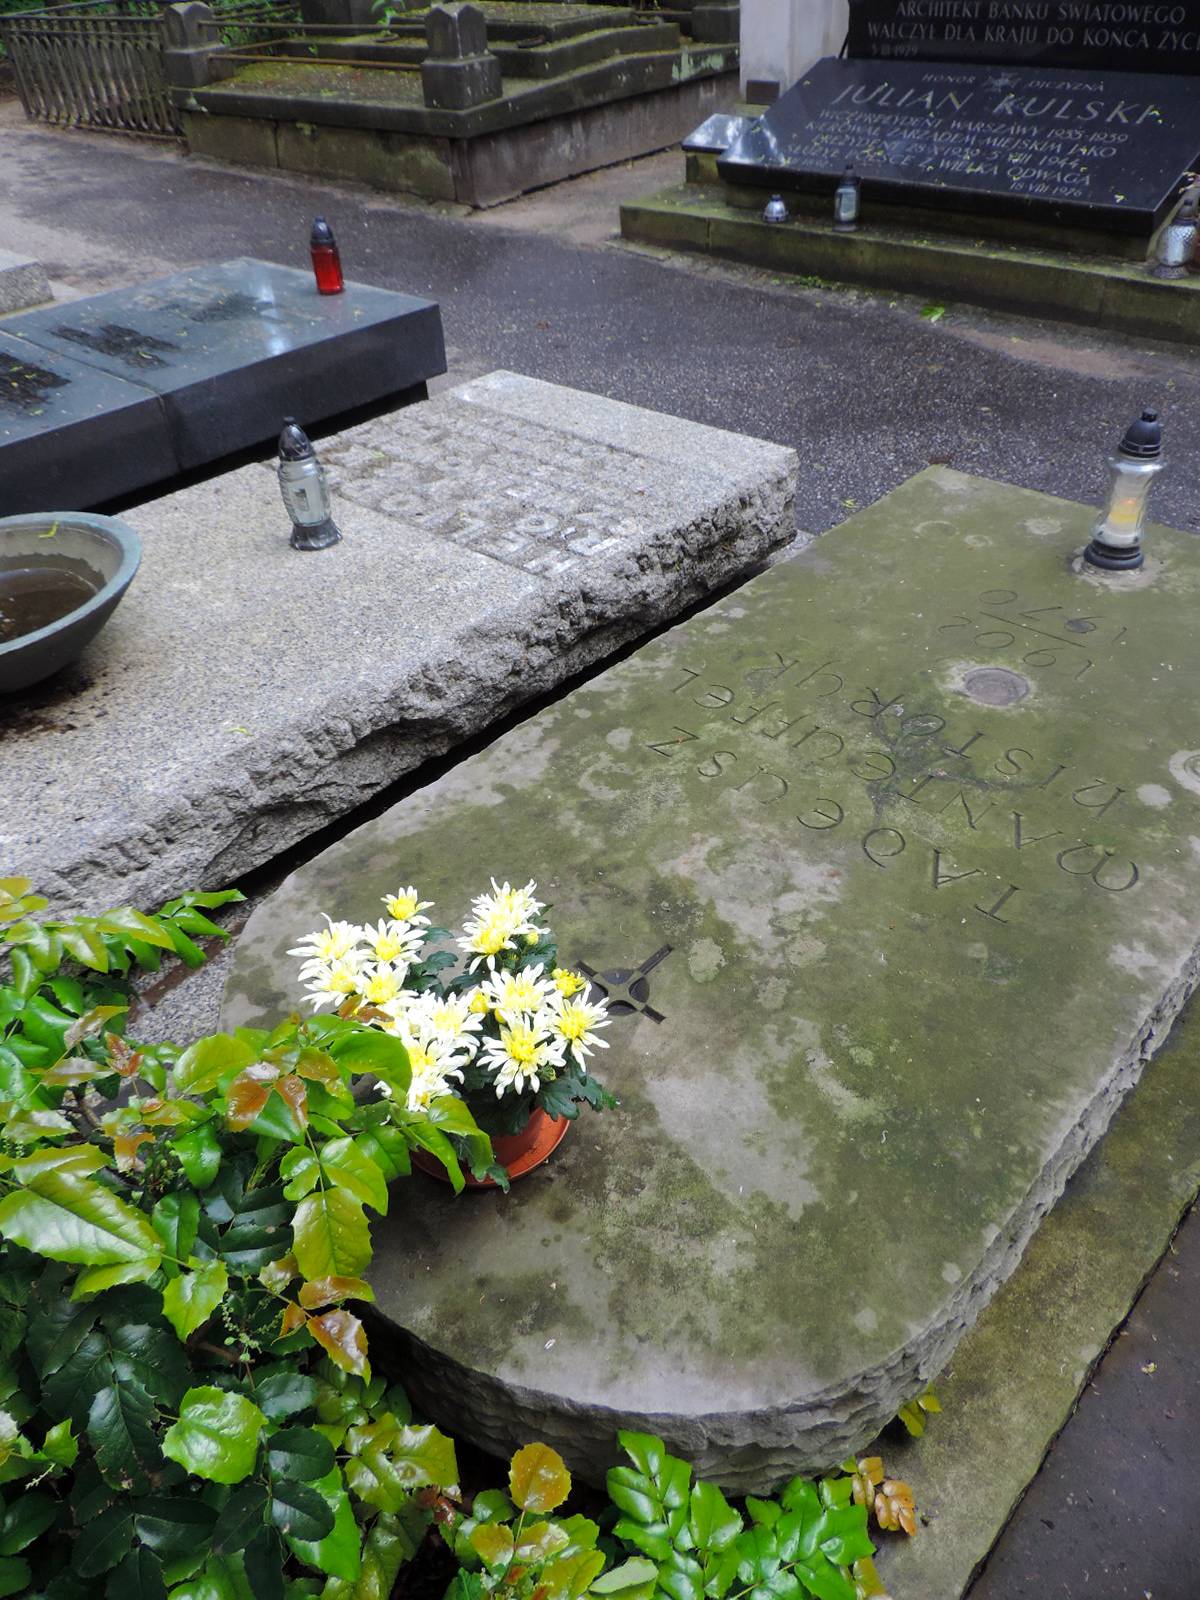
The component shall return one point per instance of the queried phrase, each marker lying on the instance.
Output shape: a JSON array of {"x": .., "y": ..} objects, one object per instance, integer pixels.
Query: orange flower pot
[{"x": 518, "y": 1152}]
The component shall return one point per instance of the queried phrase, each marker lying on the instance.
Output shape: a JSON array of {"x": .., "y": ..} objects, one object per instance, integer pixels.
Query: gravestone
[
  {"x": 892, "y": 857},
  {"x": 209, "y": 360},
  {"x": 1098, "y": 149},
  {"x": 1106, "y": 35},
  {"x": 495, "y": 539},
  {"x": 71, "y": 436}
]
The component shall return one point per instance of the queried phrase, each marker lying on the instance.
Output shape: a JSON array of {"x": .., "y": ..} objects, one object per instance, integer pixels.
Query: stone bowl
[{"x": 71, "y": 577}]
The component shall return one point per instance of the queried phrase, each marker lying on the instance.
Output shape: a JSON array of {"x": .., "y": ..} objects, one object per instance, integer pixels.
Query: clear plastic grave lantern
[
  {"x": 305, "y": 491},
  {"x": 1117, "y": 535}
]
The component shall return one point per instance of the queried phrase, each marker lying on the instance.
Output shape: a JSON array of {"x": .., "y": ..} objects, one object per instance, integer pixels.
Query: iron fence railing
[{"x": 99, "y": 63}]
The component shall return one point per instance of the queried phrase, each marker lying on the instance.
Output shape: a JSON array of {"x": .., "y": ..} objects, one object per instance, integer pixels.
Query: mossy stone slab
[{"x": 904, "y": 838}]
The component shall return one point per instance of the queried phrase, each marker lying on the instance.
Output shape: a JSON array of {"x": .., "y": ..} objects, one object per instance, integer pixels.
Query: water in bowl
[{"x": 38, "y": 593}]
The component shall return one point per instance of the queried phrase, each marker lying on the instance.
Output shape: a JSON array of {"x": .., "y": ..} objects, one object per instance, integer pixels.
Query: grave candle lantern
[
  {"x": 1177, "y": 241},
  {"x": 845, "y": 203},
  {"x": 1117, "y": 535},
  {"x": 775, "y": 210},
  {"x": 326, "y": 259},
  {"x": 305, "y": 491}
]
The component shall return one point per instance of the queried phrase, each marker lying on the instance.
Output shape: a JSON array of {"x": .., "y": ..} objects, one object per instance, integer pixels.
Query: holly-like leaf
[
  {"x": 300, "y": 1510},
  {"x": 139, "y": 1577},
  {"x": 339, "y": 1553},
  {"x": 300, "y": 1453},
  {"x": 121, "y": 1428},
  {"x": 342, "y": 1336},
  {"x": 175, "y": 1219},
  {"x": 174, "y": 1525},
  {"x": 387, "y": 1147},
  {"x": 894, "y": 1507},
  {"x": 493, "y": 1544},
  {"x": 330, "y": 1235},
  {"x": 571, "y": 1576},
  {"x": 191, "y": 1298},
  {"x": 539, "y": 1541},
  {"x": 71, "y": 1218},
  {"x": 103, "y": 1540},
  {"x": 60, "y": 1445},
  {"x": 14, "y": 1575},
  {"x": 349, "y": 1166},
  {"x": 280, "y": 1394},
  {"x": 242, "y": 1518},
  {"x": 634, "y": 1579},
  {"x": 712, "y": 1521},
  {"x": 202, "y": 1067},
  {"x": 538, "y": 1479},
  {"x": 199, "y": 1152},
  {"x": 26, "y": 1519},
  {"x": 216, "y": 1436},
  {"x": 327, "y": 1291}
]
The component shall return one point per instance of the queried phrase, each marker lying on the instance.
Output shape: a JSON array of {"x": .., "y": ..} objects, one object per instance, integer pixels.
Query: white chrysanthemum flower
[
  {"x": 576, "y": 1023},
  {"x": 406, "y": 906},
  {"x": 331, "y": 982},
  {"x": 330, "y": 943},
  {"x": 445, "y": 1016},
  {"x": 487, "y": 937},
  {"x": 523, "y": 1052},
  {"x": 383, "y": 985},
  {"x": 516, "y": 994},
  {"x": 393, "y": 941}
]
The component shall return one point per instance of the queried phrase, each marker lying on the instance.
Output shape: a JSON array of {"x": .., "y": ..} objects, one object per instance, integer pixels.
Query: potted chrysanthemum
[{"x": 500, "y": 1025}]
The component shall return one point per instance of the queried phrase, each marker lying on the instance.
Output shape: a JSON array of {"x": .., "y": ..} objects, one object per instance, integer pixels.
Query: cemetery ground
[{"x": 868, "y": 389}]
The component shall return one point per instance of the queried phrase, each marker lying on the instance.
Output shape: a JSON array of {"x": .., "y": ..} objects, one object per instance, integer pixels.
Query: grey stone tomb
[
  {"x": 902, "y": 844},
  {"x": 496, "y": 539}
]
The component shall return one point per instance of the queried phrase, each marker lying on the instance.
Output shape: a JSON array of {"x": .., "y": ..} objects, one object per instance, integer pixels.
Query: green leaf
[
  {"x": 492, "y": 1505},
  {"x": 300, "y": 1453},
  {"x": 300, "y": 1510},
  {"x": 56, "y": 1333},
  {"x": 14, "y": 1575},
  {"x": 74, "y": 1219},
  {"x": 339, "y": 1553},
  {"x": 933, "y": 313},
  {"x": 174, "y": 1525},
  {"x": 351, "y": 1168},
  {"x": 539, "y": 1541},
  {"x": 199, "y": 1153},
  {"x": 191, "y": 1298},
  {"x": 570, "y": 1576},
  {"x": 713, "y": 1522},
  {"x": 125, "y": 921},
  {"x": 72, "y": 1388},
  {"x": 204, "y": 1065},
  {"x": 26, "y": 1519},
  {"x": 263, "y": 1558},
  {"x": 331, "y": 1236},
  {"x": 139, "y": 1577},
  {"x": 368, "y": 1050},
  {"x": 824, "y": 1581},
  {"x": 60, "y": 1446},
  {"x": 633, "y": 1580},
  {"x": 242, "y": 1518},
  {"x": 387, "y": 1147},
  {"x": 538, "y": 1479},
  {"x": 493, "y": 1543},
  {"x": 216, "y": 1436},
  {"x": 175, "y": 1219},
  {"x": 281, "y": 1394},
  {"x": 121, "y": 1429},
  {"x": 103, "y": 1540}
]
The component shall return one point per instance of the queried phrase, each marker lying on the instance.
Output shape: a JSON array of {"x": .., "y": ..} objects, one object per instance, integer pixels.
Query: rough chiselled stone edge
[{"x": 243, "y": 812}]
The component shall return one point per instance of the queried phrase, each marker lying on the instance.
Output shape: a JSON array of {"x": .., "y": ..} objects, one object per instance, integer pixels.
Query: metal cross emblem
[{"x": 627, "y": 988}]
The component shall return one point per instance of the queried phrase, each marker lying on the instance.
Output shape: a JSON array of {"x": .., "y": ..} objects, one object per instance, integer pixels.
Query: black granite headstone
[
  {"x": 1103, "y": 150},
  {"x": 1109, "y": 35},
  {"x": 229, "y": 349},
  {"x": 69, "y": 434}
]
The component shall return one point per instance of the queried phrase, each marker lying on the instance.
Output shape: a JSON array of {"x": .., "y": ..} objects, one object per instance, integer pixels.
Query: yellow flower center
[
  {"x": 573, "y": 1023},
  {"x": 521, "y": 1044},
  {"x": 479, "y": 1004},
  {"x": 567, "y": 982},
  {"x": 402, "y": 906},
  {"x": 342, "y": 982}
]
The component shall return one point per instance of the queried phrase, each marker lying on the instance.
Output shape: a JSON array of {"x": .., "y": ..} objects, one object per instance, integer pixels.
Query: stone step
[
  {"x": 23, "y": 283},
  {"x": 1100, "y": 292}
]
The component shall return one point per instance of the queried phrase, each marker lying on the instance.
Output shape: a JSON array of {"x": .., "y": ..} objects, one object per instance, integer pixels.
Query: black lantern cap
[
  {"x": 294, "y": 443},
  {"x": 1143, "y": 438},
  {"x": 322, "y": 233}
]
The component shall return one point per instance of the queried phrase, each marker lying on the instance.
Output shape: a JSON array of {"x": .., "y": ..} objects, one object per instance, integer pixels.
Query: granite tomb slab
[
  {"x": 1088, "y": 146},
  {"x": 901, "y": 844},
  {"x": 220, "y": 354}
]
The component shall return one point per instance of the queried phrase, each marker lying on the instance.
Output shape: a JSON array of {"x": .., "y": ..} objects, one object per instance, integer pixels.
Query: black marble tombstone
[
  {"x": 1093, "y": 148},
  {"x": 106, "y": 396},
  {"x": 1107, "y": 35}
]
